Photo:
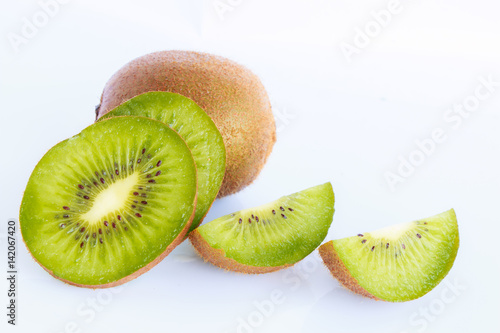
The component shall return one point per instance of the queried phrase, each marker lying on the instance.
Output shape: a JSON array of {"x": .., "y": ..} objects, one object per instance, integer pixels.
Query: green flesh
[
  {"x": 145, "y": 205},
  {"x": 267, "y": 239},
  {"x": 196, "y": 128},
  {"x": 410, "y": 266}
]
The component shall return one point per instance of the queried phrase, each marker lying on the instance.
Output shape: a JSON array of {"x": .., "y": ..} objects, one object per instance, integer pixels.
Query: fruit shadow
[
  {"x": 349, "y": 312},
  {"x": 235, "y": 285}
]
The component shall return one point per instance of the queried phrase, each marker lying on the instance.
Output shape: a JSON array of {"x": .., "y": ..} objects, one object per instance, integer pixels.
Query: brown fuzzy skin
[
  {"x": 229, "y": 93},
  {"x": 339, "y": 270},
  {"x": 218, "y": 258},
  {"x": 179, "y": 239}
]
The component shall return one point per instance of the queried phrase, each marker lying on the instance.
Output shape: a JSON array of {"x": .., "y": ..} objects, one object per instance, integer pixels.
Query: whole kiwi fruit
[{"x": 229, "y": 93}]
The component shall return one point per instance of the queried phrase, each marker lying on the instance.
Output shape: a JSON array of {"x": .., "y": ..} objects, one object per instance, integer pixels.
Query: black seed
[
  {"x": 148, "y": 176},
  {"x": 425, "y": 222},
  {"x": 100, "y": 240},
  {"x": 119, "y": 217},
  {"x": 65, "y": 216},
  {"x": 63, "y": 225},
  {"x": 363, "y": 241},
  {"x": 106, "y": 223},
  {"x": 290, "y": 209},
  {"x": 136, "y": 193},
  {"x": 65, "y": 207},
  {"x": 143, "y": 150},
  {"x": 138, "y": 161},
  {"x": 360, "y": 235},
  {"x": 419, "y": 236},
  {"x": 82, "y": 229},
  {"x": 144, "y": 202},
  {"x": 253, "y": 217},
  {"x": 249, "y": 220},
  {"x": 86, "y": 197},
  {"x": 95, "y": 183},
  {"x": 404, "y": 247},
  {"x": 283, "y": 209},
  {"x": 151, "y": 181},
  {"x": 373, "y": 248},
  {"x": 158, "y": 164},
  {"x": 257, "y": 218},
  {"x": 138, "y": 215},
  {"x": 87, "y": 237},
  {"x": 134, "y": 206},
  {"x": 81, "y": 186},
  {"x": 387, "y": 245},
  {"x": 102, "y": 180},
  {"x": 283, "y": 215},
  {"x": 117, "y": 173},
  {"x": 81, "y": 245},
  {"x": 274, "y": 212},
  {"x": 100, "y": 231},
  {"x": 158, "y": 173},
  {"x": 114, "y": 225},
  {"x": 239, "y": 221},
  {"x": 94, "y": 235},
  {"x": 97, "y": 174}
]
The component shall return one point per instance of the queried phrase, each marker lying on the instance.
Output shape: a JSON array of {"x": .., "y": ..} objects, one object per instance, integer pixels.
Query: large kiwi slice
[
  {"x": 398, "y": 263},
  {"x": 269, "y": 237},
  {"x": 108, "y": 204},
  {"x": 196, "y": 128}
]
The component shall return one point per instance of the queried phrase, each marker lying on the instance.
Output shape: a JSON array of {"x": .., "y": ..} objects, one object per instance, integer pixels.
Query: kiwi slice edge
[{"x": 198, "y": 131}]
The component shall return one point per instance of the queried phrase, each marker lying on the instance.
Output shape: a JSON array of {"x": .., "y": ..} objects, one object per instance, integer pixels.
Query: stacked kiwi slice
[
  {"x": 119, "y": 196},
  {"x": 174, "y": 131}
]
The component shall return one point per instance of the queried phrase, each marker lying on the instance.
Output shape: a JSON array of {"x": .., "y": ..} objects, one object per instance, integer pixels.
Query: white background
[{"x": 342, "y": 119}]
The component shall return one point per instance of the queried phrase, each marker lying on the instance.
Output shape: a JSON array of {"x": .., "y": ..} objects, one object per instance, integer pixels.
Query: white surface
[{"x": 339, "y": 121}]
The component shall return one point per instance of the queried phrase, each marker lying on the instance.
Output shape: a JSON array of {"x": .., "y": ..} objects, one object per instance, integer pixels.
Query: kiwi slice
[
  {"x": 269, "y": 237},
  {"x": 108, "y": 204},
  {"x": 398, "y": 263},
  {"x": 196, "y": 128}
]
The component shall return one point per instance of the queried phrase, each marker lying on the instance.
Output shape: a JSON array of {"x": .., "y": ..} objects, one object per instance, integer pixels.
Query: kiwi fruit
[
  {"x": 196, "y": 128},
  {"x": 398, "y": 263},
  {"x": 269, "y": 237},
  {"x": 108, "y": 204},
  {"x": 229, "y": 93}
]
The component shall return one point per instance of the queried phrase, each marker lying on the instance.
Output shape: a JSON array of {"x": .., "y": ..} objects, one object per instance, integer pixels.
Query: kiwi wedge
[
  {"x": 269, "y": 237},
  {"x": 398, "y": 263},
  {"x": 231, "y": 94},
  {"x": 108, "y": 204},
  {"x": 196, "y": 128}
]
